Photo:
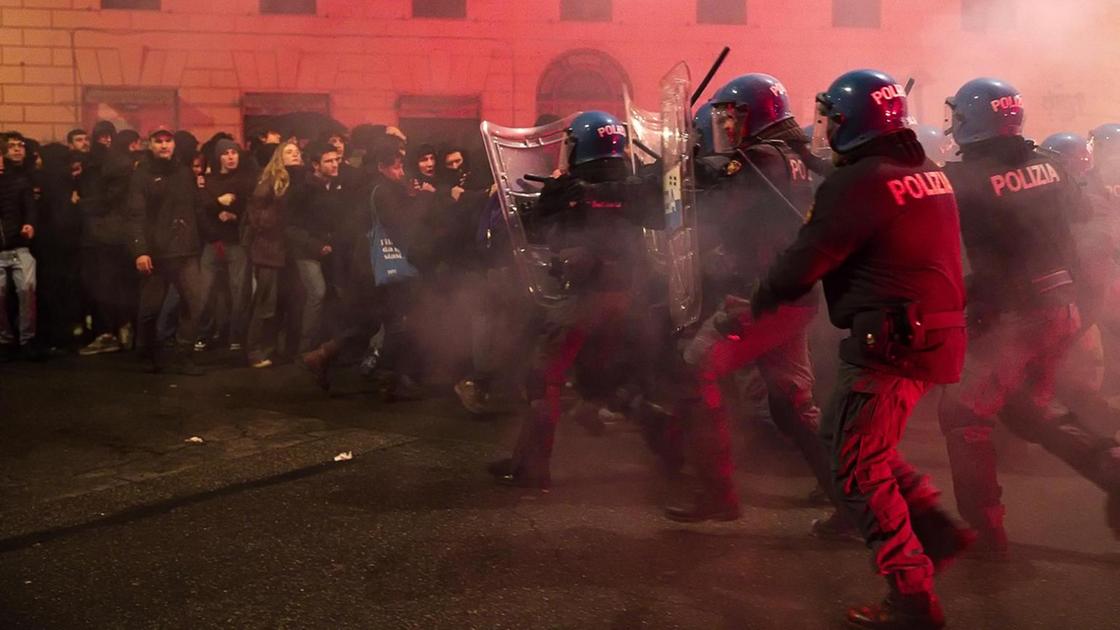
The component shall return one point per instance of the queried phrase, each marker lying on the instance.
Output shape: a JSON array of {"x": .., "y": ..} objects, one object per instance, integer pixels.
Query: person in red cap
[{"x": 162, "y": 209}]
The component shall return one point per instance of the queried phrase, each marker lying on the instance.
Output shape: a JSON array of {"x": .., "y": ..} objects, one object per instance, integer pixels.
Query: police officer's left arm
[{"x": 836, "y": 228}]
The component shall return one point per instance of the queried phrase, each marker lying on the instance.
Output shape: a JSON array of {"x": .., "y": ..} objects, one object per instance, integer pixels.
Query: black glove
[
  {"x": 564, "y": 190},
  {"x": 573, "y": 266}
]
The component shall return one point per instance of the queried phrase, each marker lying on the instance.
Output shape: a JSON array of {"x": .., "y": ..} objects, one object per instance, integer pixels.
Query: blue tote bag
[{"x": 389, "y": 262}]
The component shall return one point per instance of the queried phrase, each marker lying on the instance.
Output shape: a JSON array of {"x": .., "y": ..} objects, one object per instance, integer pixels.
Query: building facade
[{"x": 439, "y": 66}]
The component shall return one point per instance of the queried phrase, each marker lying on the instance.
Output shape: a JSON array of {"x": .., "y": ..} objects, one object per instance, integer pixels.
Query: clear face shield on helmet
[
  {"x": 564, "y": 164},
  {"x": 947, "y": 118},
  {"x": 728, "y": 126},
  {"x": 818, "y": 144}
]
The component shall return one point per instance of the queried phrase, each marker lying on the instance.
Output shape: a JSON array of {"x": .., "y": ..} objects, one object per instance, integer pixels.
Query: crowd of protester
[{"x": 288, "y": 249}]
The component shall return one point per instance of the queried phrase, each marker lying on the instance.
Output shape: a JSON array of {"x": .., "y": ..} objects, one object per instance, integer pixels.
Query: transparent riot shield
[
  {"x": 518, "y": 157},
  {"x": 682, "y": 247},
  {"x": 644, "y": 131}
]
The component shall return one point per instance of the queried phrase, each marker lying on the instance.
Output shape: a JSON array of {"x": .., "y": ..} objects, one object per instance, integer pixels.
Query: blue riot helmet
[
  {"x": 746, "y": 107},
  {"x": 1105, "y": 141},
  {"x": 1074, "y": 151},
  {"x": 702, "y": 127},
  {"x": 984, "y": 109},
  {"x": 594, "y": 135},
  {"x": 858, "y": 107}
]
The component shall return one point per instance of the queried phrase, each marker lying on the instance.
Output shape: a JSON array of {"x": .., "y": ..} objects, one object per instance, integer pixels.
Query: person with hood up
[{"x": 228, "y": 188}]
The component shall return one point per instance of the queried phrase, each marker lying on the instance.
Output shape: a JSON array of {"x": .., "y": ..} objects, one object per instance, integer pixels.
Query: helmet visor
[
  {"x": 947, "y": 118},
  {"x": 728, "y": 124},
  {"x": 818, "y": 144}
]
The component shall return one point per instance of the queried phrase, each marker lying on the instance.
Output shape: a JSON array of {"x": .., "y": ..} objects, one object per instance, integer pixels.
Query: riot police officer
[
  {"x": 586, "y": 222},
  {"x": 883, "y": 237},
  {"x": 1017, "y": 204},
  {"x": 1097, "y": 238},
  {"x": 752, "y": 210}
]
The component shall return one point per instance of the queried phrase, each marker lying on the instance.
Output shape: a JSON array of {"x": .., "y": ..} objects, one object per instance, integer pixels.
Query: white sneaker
[{"x": 104, "y": 344}]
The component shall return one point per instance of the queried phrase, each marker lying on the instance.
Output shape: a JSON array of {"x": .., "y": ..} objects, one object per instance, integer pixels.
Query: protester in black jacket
[
  {"x": 162, "y": 211},
  {"x": 229, "y": 186},
  {"x": 17, "y": 228},
  {"x": 57, "y": 249},
  {"x": 313, "y": 209},
  {"x": 108, "y": 271}
]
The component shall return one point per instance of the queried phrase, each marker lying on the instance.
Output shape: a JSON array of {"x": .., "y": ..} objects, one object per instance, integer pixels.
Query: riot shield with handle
[
  {"x": 519, "y": 159},
  {"x": 682, "y": 246}
]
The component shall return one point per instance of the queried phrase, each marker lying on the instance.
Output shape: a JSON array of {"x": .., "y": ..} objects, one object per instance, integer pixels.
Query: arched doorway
[{"x": 581, "y": 79}]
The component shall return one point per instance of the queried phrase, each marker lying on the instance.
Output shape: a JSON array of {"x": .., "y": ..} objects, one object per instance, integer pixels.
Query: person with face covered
[
  {"x": 162, "y": 209},
  {"x": 228, "y": 188},
  {"x": 266, "y": 243},
  {"x": 57, "y": 249},
  {"x": 108, "y": 270}
]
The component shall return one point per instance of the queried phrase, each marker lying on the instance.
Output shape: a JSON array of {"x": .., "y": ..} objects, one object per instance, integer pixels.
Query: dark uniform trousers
[
  {"x": 778, "y": 344},
  {"x": 566, "y": 331},
  {"x": 1010, "y": 373},
  {"x": 183, "y": 272},
  {"x": 879, "y": 491}
]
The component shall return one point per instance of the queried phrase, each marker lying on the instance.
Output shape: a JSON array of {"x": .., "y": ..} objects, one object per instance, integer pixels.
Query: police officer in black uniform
[
  {"x": 748, "y": 214},
  {"x": 1017, "y": 204},
  {"x": 883, "y": 237},
  {"x": 589, "y": 217}
]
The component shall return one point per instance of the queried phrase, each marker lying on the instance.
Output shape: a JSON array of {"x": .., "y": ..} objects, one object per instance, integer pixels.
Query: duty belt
[
  {"x": 1050, "y": 281},
  {"x": 944, "y": 319}
]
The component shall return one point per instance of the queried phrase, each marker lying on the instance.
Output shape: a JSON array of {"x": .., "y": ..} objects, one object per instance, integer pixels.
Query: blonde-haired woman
[{"x": 264, "y": 238}]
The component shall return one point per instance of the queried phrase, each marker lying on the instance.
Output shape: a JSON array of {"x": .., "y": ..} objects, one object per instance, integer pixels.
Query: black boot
[
  {"x": 661, "y": 435},
  {"x": 529, "y": 466},
  {"x": 899, "y": 612},
  {"x": 836, "y": 527},
  {"x": 706, "y": 506},
  {"x": 941, "y": 538}
]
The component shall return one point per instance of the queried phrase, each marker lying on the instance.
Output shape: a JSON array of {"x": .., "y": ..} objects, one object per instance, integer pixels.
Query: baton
[
  {"x": 774, "y": 189},
  {"x": 540, "y": 179},
  {"x": 648, "y": 151},
  {"x": 711, "y": 73},
  {"x": 909, "y": 85}
]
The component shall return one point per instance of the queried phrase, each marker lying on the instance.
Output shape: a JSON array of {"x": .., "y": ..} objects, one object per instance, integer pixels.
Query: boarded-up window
[
  {"x": 983, "y": 15},
  {"x": 585, "y": 10},
  {"x": 445, "y": 9},
  {"x": 721, "y": 11},
  {"x": 141, "y": 109},
  {"x": 141, "y": 5},
  {"x": 856, "y": 13},
  {"x": 288, "y": 7}
]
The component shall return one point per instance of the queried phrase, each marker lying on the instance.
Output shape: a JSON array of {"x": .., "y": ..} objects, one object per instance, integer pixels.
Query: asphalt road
[{"x": 109, "y": 518}]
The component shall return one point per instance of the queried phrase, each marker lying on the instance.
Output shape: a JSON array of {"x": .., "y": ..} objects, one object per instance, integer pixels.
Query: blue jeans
[
  {"x": 315, "y": 292},
  {"x": 20, "y": 265},
  {"x": 236, "y": 265}
]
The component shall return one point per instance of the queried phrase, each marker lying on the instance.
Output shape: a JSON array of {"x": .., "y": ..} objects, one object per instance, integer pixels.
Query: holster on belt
[{"x": 891, "y": 333}]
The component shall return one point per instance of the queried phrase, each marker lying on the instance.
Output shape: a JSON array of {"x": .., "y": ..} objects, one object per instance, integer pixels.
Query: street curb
[{"x": 33, "y": 524}]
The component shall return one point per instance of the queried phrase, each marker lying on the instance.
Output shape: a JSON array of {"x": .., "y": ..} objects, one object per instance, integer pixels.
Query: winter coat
[
  {"x": 264, "y": 235},
  {"x": 17, "y": 209},
  {"x": 162, "y": 210},
  {"x": 241, "y": 183}
]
